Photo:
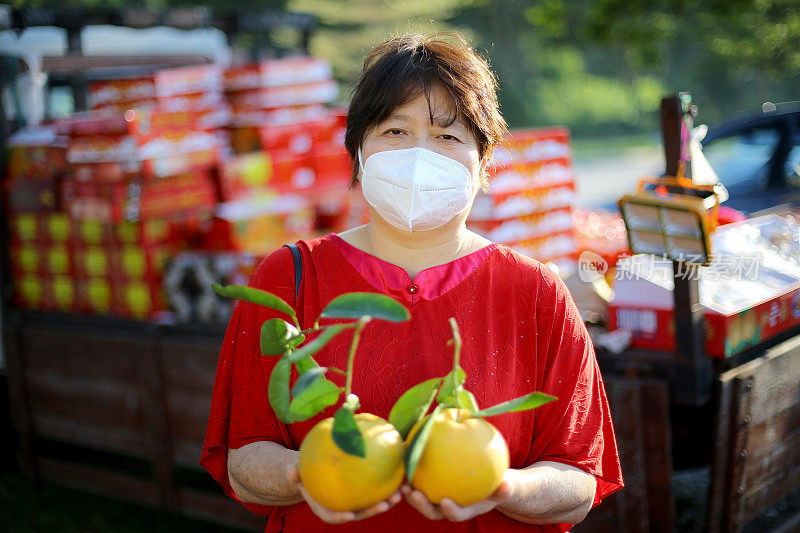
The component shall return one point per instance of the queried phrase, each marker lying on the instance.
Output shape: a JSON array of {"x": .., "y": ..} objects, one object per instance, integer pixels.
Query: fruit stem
[
  {"x": 352, "y": 355},
  {"x": 456, "y": 356}
]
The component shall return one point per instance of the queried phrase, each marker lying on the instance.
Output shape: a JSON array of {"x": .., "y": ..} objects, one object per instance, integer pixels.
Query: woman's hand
[
  {"x": 451, "y": 510},
  {"x": 340, "y": 517}
]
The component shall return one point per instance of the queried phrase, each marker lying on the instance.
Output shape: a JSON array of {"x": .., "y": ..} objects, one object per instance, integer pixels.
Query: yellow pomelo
[
  {"x": 344, "y": 482},
  {"x": 462, "y": 460}
]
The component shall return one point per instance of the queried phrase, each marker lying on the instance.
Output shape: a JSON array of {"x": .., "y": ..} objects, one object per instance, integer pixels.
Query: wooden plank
[
  {"x": 18, "y": 396},
  {"x": 657, "y": 439},
  {"x": 742, "y": 394},
  {"x": 720, "y": 456},
  {"x": 190, "y": 364},
  {"x": 770, "y": 432},
  {"x": 187, "y": 453},
  {"x": 88, "y": 400},
  {"x": 188, "y": 413},
  {"x": 72, "y": 356},
  {"x": 189, "y": 367},
  {"x": 100, "y": 481},
  {"x": 768, "y": 464},
  {"x": 117, "y": 440},
  {"x": 763, "y": 463},
  {"x": 764, "y": 496},
  {"x": 640, "y": 409},
  {"x": 156, "y": 409},
  {"x": 632, "y": 510},
  {"x": 219, "y": 509},
  {"x": 778, "y": 376}
]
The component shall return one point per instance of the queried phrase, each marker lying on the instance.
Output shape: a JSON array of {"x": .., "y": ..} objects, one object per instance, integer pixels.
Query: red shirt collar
[{"x": 428, "y": 284}]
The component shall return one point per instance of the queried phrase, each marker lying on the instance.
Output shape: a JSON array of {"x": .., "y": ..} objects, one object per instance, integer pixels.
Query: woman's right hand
[{"x": 340, "y": 517}]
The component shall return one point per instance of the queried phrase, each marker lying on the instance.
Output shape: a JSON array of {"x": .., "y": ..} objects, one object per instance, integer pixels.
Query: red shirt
[{"x": 521, "y": 333}]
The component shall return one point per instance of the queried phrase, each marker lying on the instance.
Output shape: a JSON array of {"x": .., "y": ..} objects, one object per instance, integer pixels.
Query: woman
[{"x": 421, "y": 127}]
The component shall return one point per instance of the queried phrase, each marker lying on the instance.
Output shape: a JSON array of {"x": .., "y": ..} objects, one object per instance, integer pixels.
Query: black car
[{"x": 757, "y": 157}]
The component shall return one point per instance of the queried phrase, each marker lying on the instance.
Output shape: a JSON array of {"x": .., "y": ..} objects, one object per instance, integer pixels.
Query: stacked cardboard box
[
  {"x": 289, "y": 175},
  {"x": 531, "y": 197},
  {"x": 141, "y": 162},
  {"x": 36, "y": 163},
  {"x": 174, "y": 89},
  {"x": 85, "y": 266}
]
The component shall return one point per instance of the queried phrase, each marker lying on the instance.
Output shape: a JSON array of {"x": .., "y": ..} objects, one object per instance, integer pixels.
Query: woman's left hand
[{"x": 451, "y": 510}]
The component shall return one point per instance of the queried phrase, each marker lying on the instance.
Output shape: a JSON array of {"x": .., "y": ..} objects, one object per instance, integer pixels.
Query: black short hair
[{"x": 404, "y": 67}]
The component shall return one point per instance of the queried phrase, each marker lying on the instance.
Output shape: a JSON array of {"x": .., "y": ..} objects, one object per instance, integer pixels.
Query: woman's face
[{"x": 410, "y": 126}]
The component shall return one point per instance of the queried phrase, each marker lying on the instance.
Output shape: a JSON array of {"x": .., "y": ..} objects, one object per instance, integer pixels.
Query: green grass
[{"x": 26, "y": 507}]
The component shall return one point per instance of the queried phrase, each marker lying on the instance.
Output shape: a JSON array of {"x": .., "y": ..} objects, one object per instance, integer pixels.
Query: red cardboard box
[
  {"x": 40, "y": 228},
  {"x": 295, "y": 138},
  {"x": 260, "y": 225},
  {"x": 542, "y": 144},
  {"x": 524, "y": 227},
  {"x": 281, "y": 71},
  {"x": 332, "y": 164},
  {"x": 547, "y": 247},
  {"x": 521, "y": 176},
  {"x": 244, "y": 176},
  {"x": 520, "y": 203},
  {"x": 35, "y": 153},
  {"x": 25, "y": 258},
  {"x": 150, "y": 232},
  {"x": 176, "y": 197},
  {"x": 243, "y": 117},
  {"x": 285, "y": 96},
  {"x": 173, "y": 197},
  {"x": 45, "y": 293},
  {"x": 37, "y": 195},
  {"x": 726, "y": 334},
  {"x": 140, "y": 299},
  {"x": 35, "y": 259},
  {"x": 161, "y": 84},
  {"x": 292, "y": 172},
  {"x": 184, "y": 102},
  {"x": 94, "y": 295}
]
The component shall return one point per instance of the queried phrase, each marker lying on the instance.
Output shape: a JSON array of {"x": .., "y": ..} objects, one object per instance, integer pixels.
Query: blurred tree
[
  {"x": 151, "y": 4},
  {"x": 602, "y": 65},
  {"x": 348, "y": 29},
  {"x": 550, "y": 72}
]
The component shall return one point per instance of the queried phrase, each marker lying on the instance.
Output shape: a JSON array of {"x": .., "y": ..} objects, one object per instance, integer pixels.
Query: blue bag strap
[{"x": 298, "y": 268}]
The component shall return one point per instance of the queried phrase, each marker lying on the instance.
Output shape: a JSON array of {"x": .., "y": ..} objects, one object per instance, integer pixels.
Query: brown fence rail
[{"x": 756, "y": 459}]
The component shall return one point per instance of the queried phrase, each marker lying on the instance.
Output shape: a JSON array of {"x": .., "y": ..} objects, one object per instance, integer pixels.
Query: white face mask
[{"x": 415, "y": 189}]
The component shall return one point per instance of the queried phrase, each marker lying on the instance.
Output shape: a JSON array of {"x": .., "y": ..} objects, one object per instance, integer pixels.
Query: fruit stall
[{"x": 120, "y": 217}]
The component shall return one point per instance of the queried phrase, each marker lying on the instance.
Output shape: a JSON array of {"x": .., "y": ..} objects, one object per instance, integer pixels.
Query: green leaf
[
  {"x": 308, "y": 379},
  {"x": 523, "y": 403},
  {"x": 317, "y": 344},
  {"x": 346, "y": 434},
  {"x": 417, "y": 446},
  {"x": 278, "y": 389},
  {"x": 313, "y": 399},
  {"x": 256, "y": 296},
  {"x": 446, "y": 393},
  {"x": 413, "y": 405},
  {"x": 278, "y": 337},
  {"x": 466, "y": 400},
  {"x": 305, "y": 364},
  {"x": 358, "y": 304}
]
